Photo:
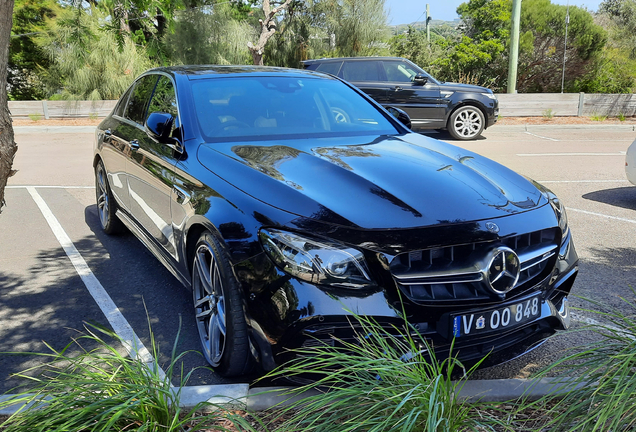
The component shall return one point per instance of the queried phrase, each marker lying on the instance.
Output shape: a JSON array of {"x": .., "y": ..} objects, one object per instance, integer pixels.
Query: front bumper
[{"x": 292, "y": 314}]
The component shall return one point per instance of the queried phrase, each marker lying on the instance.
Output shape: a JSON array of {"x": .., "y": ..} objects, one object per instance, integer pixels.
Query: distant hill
[{"x": 443, "y": 27}]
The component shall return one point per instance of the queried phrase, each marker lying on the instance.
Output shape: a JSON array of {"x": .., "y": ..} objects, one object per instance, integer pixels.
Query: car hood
[
  {"x": 463, "y": 87},
  {"x": 383, "y": 182}
]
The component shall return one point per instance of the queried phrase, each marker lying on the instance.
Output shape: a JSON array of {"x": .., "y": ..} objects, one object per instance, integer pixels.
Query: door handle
[{"x": 134, "y": 145}]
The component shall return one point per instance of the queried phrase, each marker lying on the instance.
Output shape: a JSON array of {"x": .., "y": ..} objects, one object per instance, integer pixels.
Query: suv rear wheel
[{"x": 466, "y": 123}]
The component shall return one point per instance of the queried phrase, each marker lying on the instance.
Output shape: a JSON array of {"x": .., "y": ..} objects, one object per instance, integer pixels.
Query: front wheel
[
  {"x": 218, "y": 310},
  {"x": 466, "y": 123},
  {"x": 106, "y": 205}
]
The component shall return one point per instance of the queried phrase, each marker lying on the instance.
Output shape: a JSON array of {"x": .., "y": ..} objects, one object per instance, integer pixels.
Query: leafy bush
[{"x": 385, "y": 380}]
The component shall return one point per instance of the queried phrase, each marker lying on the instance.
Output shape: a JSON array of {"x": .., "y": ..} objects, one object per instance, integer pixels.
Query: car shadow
[
  {"x": 624, "y": 197},
  {"x": 444, "y": 135},
  {"x": 153, "y": 301}
]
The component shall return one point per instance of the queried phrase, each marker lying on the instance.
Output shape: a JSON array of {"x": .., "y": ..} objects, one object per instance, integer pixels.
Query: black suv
[{"x": 464, "y": 110}]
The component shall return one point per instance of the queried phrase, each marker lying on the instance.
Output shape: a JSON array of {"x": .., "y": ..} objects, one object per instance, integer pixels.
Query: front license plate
[{"x": 499, "y": 319}]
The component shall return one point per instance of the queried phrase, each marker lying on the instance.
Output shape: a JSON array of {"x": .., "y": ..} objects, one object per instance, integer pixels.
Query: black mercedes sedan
[
  {"x": 285, "y": 199},
  {"x": 464, "y": 110}
]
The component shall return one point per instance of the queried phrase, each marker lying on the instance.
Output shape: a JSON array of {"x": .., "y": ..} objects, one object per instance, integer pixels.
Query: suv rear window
[
  {"x": 361, "y": 70},
  {"x": 331, "y": 67}
]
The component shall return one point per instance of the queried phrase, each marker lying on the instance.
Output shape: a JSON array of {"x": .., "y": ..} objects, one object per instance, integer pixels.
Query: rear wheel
[
  {"x": 218, "y": 310},
  {"x": 466, "y": 123},
  {"x": 106, "y": 205}
]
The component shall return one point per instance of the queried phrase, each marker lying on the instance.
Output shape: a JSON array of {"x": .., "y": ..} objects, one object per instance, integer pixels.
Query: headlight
[
  {"x": 490, "y": 95},
  {"x": 559, "y": 210},
  {"x": 317, "y": 261}
]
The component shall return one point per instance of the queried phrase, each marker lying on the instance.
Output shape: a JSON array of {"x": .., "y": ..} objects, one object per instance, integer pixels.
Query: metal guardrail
[{"x": 510, "y": 105}]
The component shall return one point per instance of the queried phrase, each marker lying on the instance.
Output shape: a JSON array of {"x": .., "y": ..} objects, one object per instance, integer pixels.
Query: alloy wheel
[
  {"x": 468, "y": 123},
  {"x": 103, "y": 203},
  {"x": 209, "y": 304}
]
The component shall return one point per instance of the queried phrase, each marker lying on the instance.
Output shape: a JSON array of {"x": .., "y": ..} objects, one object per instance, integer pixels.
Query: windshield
[{"x": 272, "y": 107}]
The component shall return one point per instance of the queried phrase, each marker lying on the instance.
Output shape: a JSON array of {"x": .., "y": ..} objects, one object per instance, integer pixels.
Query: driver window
[
  {"x": 398, "y": 72},
  {"x": 164, "y": 100}
]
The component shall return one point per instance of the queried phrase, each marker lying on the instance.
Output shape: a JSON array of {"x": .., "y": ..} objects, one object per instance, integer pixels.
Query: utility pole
[
  {"x": 565, "y": 47},
  {"x": 514, "y": 46},
  {"x": 428, "y": 26}
]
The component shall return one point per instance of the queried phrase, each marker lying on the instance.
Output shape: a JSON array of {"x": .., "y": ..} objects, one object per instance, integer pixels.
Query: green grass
[
  {"x": 35, "y": 116},
  {"x": 598, "y": 118},
  {"x": 383, "y": 381},
  {"x": 548, "y": 113},
  {"x": 103, "y": 390},
  {"x": 604, "y": 394},
  {"x": 621, "y": 117}
]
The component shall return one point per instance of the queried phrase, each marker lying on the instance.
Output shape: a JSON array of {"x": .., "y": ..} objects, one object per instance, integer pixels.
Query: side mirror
[
  {"x": 420, "y": 79},
  {"x": 159, "y": 126},
  {"x": 400, "y": 115}
]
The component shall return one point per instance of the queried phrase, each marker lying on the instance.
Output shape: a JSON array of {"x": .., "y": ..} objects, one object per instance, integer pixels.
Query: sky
[{"x": 408, "y": 11}]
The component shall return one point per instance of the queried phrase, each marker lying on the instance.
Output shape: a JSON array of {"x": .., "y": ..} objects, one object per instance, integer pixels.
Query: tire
[
  {"x": 106, "y": 205},
  {"x": 466, "y": 123},
  {"x": 218, "y": 310}
]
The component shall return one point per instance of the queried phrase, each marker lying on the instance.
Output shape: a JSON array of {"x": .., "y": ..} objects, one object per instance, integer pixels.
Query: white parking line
[
  {"x": 51, "y": 187},
  {"x": 118, "y": 322},
  {"x": 542, "y": 137},
  {"x": 583, "y": 181},
  {"x": 591, "y": 321},
  {"x": 621, "y": 153},
  {"x": 601, "y": 215}
]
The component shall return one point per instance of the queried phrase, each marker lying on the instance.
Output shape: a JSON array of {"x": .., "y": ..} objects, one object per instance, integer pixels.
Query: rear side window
[
  {"x": 361, "y": 70},
  {"x": 330, "y": 67},
  {"x": 121, "y": 105},
  {"x": 136, "y": 107}
]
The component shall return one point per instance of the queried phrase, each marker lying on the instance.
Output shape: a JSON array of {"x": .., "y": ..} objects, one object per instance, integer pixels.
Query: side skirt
[{"x": 152, "y": 247}]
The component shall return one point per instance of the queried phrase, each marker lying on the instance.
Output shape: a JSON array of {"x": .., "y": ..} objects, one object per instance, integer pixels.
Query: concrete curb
[
  {"x": 537, "y": 127},
  {"x": 54, "y": 129},
  {"x": 240, "y": 396}
]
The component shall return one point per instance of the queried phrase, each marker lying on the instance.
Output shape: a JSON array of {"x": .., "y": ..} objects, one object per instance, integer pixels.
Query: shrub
[
  {"x": 103, "y": 390},
  {"x": 603, "y": 394},
  {"x": 386, "y": 380}
]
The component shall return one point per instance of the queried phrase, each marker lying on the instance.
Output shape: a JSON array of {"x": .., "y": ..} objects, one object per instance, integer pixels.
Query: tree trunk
[
  {"x": 7, "y": 143},
  {"x": 268, "y": 28}
]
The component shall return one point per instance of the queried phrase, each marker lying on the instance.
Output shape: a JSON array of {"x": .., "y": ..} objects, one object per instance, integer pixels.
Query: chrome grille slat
[{"x": 455, "y": 272}]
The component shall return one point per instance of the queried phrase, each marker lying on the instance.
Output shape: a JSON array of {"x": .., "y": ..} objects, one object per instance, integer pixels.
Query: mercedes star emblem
[{"x": 503, "y": 270}]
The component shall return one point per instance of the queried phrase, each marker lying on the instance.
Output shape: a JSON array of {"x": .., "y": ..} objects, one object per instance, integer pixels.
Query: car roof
[
  {"x": 210, "y": 71},
  {"x": 333, "y": 59}
]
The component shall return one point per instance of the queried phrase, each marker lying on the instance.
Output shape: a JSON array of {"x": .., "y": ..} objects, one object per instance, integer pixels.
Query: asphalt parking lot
[{"x": 45, "y": 297}]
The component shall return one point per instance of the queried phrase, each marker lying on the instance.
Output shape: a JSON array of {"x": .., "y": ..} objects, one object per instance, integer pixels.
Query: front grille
[{"x": 452, "y": 274}]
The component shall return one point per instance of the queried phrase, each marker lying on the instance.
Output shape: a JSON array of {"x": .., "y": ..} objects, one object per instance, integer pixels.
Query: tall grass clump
[
  {"x": 386, "y": 379},
  {"x": 602, "y": 396},
  {"x": 104, "y": 390}
]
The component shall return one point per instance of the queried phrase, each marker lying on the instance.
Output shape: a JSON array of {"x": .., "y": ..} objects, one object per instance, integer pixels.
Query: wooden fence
[{"x": 510, "y": 105}]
